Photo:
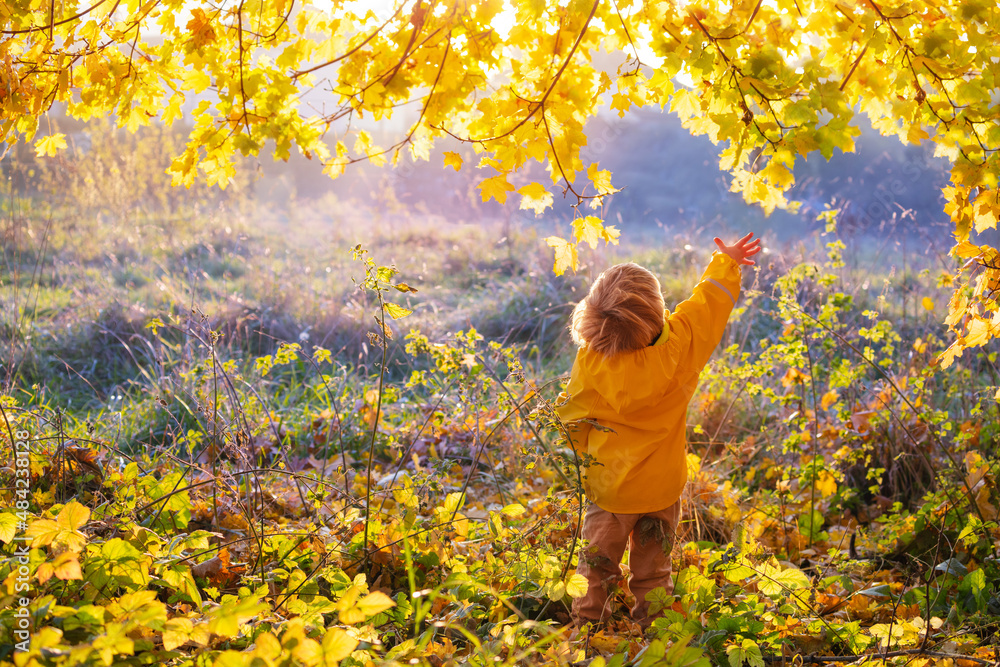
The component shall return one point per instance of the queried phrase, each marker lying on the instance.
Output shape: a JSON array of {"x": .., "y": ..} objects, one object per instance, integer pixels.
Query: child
[{"x": 634, "y": 374}]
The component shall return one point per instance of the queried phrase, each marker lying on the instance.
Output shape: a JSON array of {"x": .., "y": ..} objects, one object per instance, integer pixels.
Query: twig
[{"x": 855, "y": 65}]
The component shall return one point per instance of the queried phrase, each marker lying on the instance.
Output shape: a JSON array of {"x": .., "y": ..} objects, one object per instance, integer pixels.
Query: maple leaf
[
  {"x": 980, "y": 331},
  {"x": 50, "y": 145},
  {"x": 684, "y": 103},
  {"x": 826, "y": 484},
  {"x": 591, "y": 230},
  {"x": 453, "y": 160},
  {"x": 534, "y": 196},
  {"x": 621, "y": 102},
  {"x": 565, "y": 255},
  {"x": 200, "y": 27},
  {"x": 601, "y": 179},
  {"x": 496, "y": 188}
]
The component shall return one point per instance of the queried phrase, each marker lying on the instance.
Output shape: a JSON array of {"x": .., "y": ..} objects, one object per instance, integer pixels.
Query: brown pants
[{"x": 650, "y": 539}]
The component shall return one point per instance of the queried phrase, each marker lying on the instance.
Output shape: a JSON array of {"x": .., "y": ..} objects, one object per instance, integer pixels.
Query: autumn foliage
[
  {"x": 224, "y": 445},
  {"x": 775, "y": 81}
]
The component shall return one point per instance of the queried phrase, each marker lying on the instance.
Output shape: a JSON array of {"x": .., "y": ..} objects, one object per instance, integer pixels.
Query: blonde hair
[{"x": 622, "y": 312}]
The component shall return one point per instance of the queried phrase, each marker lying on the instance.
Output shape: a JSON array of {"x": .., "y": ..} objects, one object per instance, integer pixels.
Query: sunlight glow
[
  {"x": 504, "y": 20},
  {"x": 382, "y": 9}
]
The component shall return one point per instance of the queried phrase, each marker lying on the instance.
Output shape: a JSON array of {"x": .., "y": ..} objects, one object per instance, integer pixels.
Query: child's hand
[{"x": 740, "y": 250}]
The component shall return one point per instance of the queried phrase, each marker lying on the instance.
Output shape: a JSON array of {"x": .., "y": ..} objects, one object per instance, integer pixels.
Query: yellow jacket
[{"x": 640, "y": 398}]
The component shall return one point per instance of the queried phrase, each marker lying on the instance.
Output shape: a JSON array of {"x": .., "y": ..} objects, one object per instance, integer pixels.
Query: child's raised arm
[{"x": 698, "y": 322}]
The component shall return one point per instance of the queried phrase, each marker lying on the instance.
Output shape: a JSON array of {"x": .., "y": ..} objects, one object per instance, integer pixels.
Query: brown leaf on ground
[{"x": 212, "y": 569}]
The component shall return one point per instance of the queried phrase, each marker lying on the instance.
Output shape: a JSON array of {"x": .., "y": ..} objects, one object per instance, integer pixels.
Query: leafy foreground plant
[
  {"x": 162, "y": 559},
  {"x": 426, "y": 511},
  {"x": 254, "y": 536}
]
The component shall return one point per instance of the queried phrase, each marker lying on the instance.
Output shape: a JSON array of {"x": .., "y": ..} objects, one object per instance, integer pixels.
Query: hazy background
[
  {"x": 670, "y": 180},
  {"x": 671, "y": 183}
]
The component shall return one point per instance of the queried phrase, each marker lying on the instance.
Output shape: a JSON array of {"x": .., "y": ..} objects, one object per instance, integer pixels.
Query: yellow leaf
[
  {"x": 267, "y": 647},
  {"x": 514, "y": 509},
  {"x": 946, "y": 358},
  {"x": 778, "y": 175},
  {"x": 761, "y": 191},
  {"x": 829, "y": 398},
  {"x": 363, "y": 144},
  {"x": 591, "y": 229},
  {"x": 565, "y": 255},
  {"x": 176, "y": 632},
  {"x": 496, "y": 187},
  {"x": 453, "y": 160},
  {"x": 576, "y": 586},
  {"x": 927, "y": 303},
  {"x": 985, "y": 216},
  {"x": 887, "y": 634},
  {"x": 621, "y": 103},
  {"x": 557, "y": 591},
  {"x": 354, "y": 611},
  {"x": 197, "y": 80},
  {"x": 8, "y": 527},
  {"x": 43, "y": 532},
  {"x": 305, "y": 651},
  {"x": 611, "y": 234},
  {"x": 73, "y": 516},
  {"x": 685, "y": 104},
  {"x": 44, "y": 572},
  {"x": 535, "y": 197},
  {"x": 50, "y": 145},
  {"x": 601, "y": 179},
  {"x": 66, "y": 566},
  {"x": 375, "y": 603},
  {"x": 916, "y": 133},
  {"x": 605, "y": 643},
  {"x": 226, "y": 619},
  {"x": 793, "y": 376},
  {"x": 200, "y": 28},
  {"x": 605, "y": 83},
  {"x": 396, "y": 311},
  {"x": 338, "y": 644},
  {"x": 826, "y": 483},
  {"x": 965, "y": 250},
  {"x": 957, "y": 310},
  {"x": 980, "y": 332}
]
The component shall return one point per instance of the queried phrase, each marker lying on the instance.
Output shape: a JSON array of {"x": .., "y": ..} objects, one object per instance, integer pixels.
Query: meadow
[{"x": 238, "y": 440}]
